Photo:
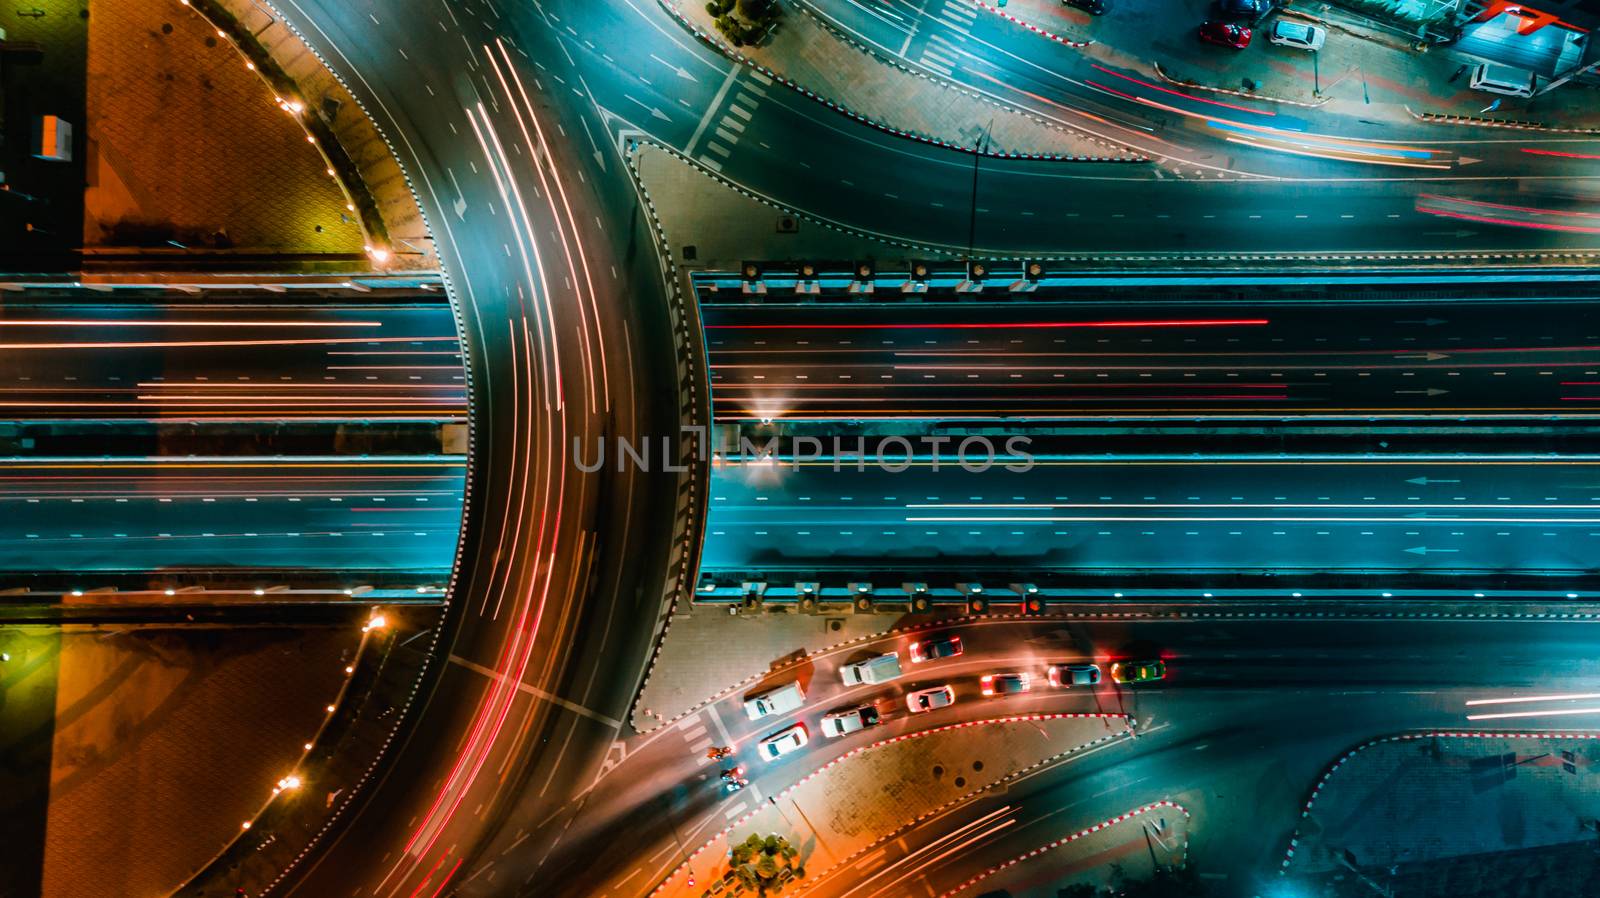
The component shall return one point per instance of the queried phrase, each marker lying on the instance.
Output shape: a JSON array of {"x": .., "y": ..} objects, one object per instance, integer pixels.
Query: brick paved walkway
[
  {"x": 816, "y": 57},
  {"x": 187, "y": 145},
  {"x": 166, "y": 740}
]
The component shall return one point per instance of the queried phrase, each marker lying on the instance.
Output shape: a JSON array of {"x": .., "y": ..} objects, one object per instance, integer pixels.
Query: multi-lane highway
[
  {"x": 1098, "y": 358},
  {"x": 177, "y": 514},
  {"x": 1278, "y": 516},
  {"x": 247, "y": 363},
  {"x": 507, "y": 118}
]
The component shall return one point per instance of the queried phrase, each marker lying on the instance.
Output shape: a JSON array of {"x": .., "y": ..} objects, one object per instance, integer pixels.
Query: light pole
[{"x": 977, "y": 158}]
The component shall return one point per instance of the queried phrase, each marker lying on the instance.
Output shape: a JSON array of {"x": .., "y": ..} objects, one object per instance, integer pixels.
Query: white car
[
  {"x": 843, "y": 723},
  {"x": 930, "y": 698},
  {"x": 1299, "y": 35},
  {"x": 784, "y": 741},
  {"x": 778, "y": 700}
]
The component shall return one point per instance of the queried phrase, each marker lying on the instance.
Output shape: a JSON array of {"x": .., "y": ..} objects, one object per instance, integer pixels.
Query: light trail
[
  {"x": 1005, "y": 325},
  {"x": 1556, "y": 712},
  {"x": 111, "y": 322},
  {"x": 222, "y": 344},
  {"x": 583, "y": 258},
  {"x": 1533, "y": 698},
  {"x": 1135, "y": 519}
]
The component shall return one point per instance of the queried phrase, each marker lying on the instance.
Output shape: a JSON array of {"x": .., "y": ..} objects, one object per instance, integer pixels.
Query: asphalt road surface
[
  {"x": 508, "y": 119},
  {"x": 1244, "y": 360},
  {"x": 164, "y": 514},
  {"x": 1250, "y": 713},
  {"x": 254, "y": 363},
  {"x": 1139, "y": 515}
]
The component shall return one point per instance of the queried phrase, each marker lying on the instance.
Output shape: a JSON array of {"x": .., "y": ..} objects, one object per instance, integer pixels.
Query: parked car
[
  {"x": 879, "y": 669},
  {"x": 1092, "y": 7},
  {"x": 930, "y": 698},
  {"x": 1503, "y": 79},
  {"x": 1244, "y": 9},
  {"x": 1225, "y": 34},
  {"x": 1005, "y": 684},
  {"x": 1138, "y": 671},
  {"x": 842, "y": 723},
  {"x": 784, "y": 741},
  {"x": 777, "y": 700},
  {"x": 1286, "y": 33},
  {"x": 947, "y": 645},
  {"x": 1083, "y": 674}
]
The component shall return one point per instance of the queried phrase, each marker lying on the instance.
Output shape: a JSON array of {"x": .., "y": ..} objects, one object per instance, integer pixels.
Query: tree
[
  {"x": 761, "y": 863},
  {"x": 745, "y": 21}
]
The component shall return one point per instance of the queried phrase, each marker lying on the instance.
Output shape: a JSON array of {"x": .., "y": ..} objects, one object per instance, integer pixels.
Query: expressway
[
  {"x": 230, "y": 363},
  {"x": 1138, "y": 515},
  {"x": 508, "y": 119},
  {"x": 1085, "y": 358},
  {"x": 175, "y": 514}
]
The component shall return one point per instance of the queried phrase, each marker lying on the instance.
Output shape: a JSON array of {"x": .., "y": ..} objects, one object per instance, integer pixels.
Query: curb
[
  {"x": 1063, "y": 41},
  {"x": 1195, "y": 85},
  {"x": 1073, "y": 837},
  {"x": 722, "y": 47},
  {"x": 1445, "y": 118},
  {"x": 689, "y": 407},
  {"x": 1316, "y": 790},
  {"x": 906, "y": 737}
]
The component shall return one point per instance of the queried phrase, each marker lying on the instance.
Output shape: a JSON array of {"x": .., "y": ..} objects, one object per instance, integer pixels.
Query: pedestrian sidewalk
[
  {"x": 892, "y": 784},
  {"x": 1363, "y": 71},
  {"x": 806, "y": 51}
]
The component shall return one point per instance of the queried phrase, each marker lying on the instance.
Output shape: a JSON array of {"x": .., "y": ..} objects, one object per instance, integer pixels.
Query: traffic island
[
  {"x": 1453, "y": 813},
  {"x": 708, "y": 652},
  {"x": 889, "y": 785}
]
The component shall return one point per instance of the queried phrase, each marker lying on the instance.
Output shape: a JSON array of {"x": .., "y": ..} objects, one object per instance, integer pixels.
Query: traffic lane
[
  {"x": 1324, "y": 671},
  {"x": 1243, "y": 659},
  {"x": 1038, "y": 206},
  {"x": 684, "y": 805},
  {"x": 541, "y": 584},
  {"x": 1207, "y": 757},
  {"x": 155, "y": 514},
  {"x": 208, "y": 362},
  {"x": 986, "y": 53},
  {"x": 814, "y": 361},
  {"x": 1157, "y": 514}
]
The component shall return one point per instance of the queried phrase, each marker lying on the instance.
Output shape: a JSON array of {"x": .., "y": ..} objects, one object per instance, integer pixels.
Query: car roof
[{"x": 1293, "y": 29}]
